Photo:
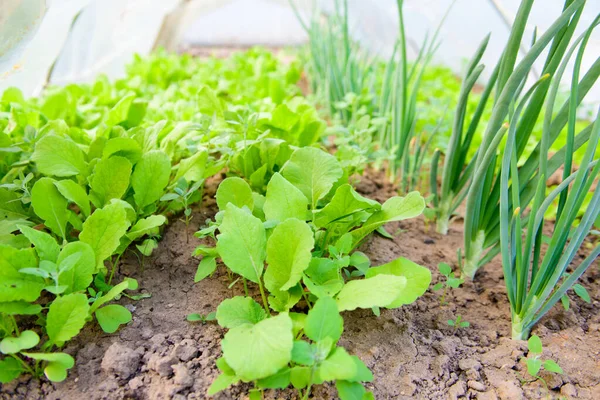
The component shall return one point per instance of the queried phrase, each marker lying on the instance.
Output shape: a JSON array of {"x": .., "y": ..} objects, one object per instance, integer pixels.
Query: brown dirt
[{"x": 412, "y": 351}]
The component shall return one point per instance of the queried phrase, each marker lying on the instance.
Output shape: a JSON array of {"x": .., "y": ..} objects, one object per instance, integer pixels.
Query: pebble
[{"x": 480, "y": 387}]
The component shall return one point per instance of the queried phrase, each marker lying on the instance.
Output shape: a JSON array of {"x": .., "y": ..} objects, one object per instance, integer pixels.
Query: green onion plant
[{"x": 482, "y": 216}]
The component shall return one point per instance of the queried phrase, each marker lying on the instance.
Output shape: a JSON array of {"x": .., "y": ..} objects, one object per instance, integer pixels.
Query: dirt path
[{"x": 412, "y": 351}]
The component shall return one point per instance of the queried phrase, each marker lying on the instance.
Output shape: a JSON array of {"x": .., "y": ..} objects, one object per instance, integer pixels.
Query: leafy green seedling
[
  {"x": 579, "y": 291},
  {"x": 458, "y": 323},
  {"x": 450, "y": 282},
  {"x": 195, "y": 317},
  {"x": 183, "y": 194},
  {"x": 535, "y": 364}
]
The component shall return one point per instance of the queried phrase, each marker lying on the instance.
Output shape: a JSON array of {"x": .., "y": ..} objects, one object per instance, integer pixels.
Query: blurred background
[{"x": 62, "y": 41}]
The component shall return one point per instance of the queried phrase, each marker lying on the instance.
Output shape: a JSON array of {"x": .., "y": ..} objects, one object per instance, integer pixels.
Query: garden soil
[{"x": 412, "y": 351}]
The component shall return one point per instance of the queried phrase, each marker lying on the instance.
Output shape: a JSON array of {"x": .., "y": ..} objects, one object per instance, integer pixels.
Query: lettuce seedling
[{"x": 274, "y": 352}]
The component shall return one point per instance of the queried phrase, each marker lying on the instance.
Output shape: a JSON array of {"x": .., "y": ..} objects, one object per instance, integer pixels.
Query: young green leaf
[
  {"x": 338, "y": 366},
  {"x": 394, "y": 209},
  {"x": 417, "y": 277},
  {"x": 534, "y": 344},
  {"x": 75, "y": 194},
  {"x": 288, "y": 254},
  {"x": 58, "y": 156},
  {"x": 350, "y": 390},
  {"x": 110, "y": 180},
  {"x": 280, "y": 380},
  {"x": 123, "y": 147},
  {"x": 378, "y": 291},
  {"x": 146, "y": 226},
  {"x": 66, "y": 317},
  {"x": 45, "y": 245},
  {"x": 10, "y": 369},
  {"x": 110, "y": 317},
  {"x": 324, "y": 321},
  {"x": 207, "y": 266},
  {"x": 50, "y": 206},
  {"x": 57, "y": 364},
  {"x": 222, "y": 382},
  {"x": 103, "y": 231},
  {"x": 80, "y": 275},
  {"x": 260, "y": 350},
  {"x": 15, "y": 285},
  {"x": 242, "y": 243},
  {"x": 239, "y": 311},
  {"x": 235, "y": 191},
  {"x": 150, "y": 177},
  {"x": 26, "y": 340},
  {"x": 313, "y": 171},
  {"x": 552, "y": 366},
  {"x": 284, "y": 200},
  {"x": 533, "y": 366},
  {"x": 345, "y": 209}
]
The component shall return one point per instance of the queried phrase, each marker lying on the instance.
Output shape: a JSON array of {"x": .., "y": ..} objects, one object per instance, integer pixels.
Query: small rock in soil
[
  {"x": 468, "y": 363},
  {"x": 120, "y": 360},
  {"x": 480, "y": 387},
  {"x": 162, "y": 365},
  {"x": 429, "y": 241},
  {"x": 457, "y": 390},
  {"x": 569, "y": 390},
  {"x": 183, "y": 379}
]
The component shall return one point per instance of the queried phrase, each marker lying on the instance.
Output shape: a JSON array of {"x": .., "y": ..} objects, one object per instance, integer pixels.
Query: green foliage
[
  {"x": 451, "y": 281},
  {"x": 458, "y": 322},
  {"x": 534, "y": 362}
]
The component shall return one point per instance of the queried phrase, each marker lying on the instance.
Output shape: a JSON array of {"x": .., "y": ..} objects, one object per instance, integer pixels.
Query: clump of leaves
[
  {"x": 535, "y": 363},
  {"x": 458, "y": 322},
  {"x": 451, "y": 281},
  {"x": 195, "y": 317},
  {"x": 184, "y": 195},
  {"x": 276, "y": 351}
]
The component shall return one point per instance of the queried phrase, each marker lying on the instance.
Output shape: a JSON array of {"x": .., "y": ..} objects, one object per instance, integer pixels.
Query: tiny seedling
[
  {"x": 580, "y": 291},
  {"x": 195, "y": 317},
  {"x": 450, "y": 282},
  {"x": 535, "y": 364},
  {"x": 183, "y": 194},
  {"x": 458, "y": 323}
]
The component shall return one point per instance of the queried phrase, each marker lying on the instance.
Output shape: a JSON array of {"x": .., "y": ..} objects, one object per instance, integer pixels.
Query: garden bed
[{"x": 412, "y": 351}]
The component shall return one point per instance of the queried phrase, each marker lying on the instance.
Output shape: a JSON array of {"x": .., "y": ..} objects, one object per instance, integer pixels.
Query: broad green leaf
[
  {"x": 239, "y": 311},
  {"x": 235, "y": 191},
  {"x": 103, "y": 231},
  {"x": 10, "y": 369},
  {"x": 19, "y": 308},
  {"x": 313, "y": 171},
  {"x": 45, "y": 245},
  {"x": 283, "y": 301},
  {"x": 50, "y": 206},
  {"x": 11, "y": 206},
  {"x": 552, "y": 366},
  {"x": 113, "y": 293},
  {"x": 350, "y": 390},
  {"x": 338, "y": 366},
  {"x": 207, "y": 266},
  {"x": 534, "y": 344},
  {"x": 324, "y": 321},
  {"x": 284, "y": 200},
  {"x": 75, "y": 194},
  {"x": 302, "y": 353},
  {"x": 417, "y": 277},
  {"x": 15, "y": 285},
  {"x": 280, "y": 380},
  {"x": 192, "y": 168},
  {"x": 378, "y": 291},
  {"x": 288, "y": 254},
  {"x": 222, "y": 382},
  {"x": 533, "y": 366},
  {"x": 110, "y": 317},
  {"x": 260, "y": 350},
  {"x": 123, "y": 147},
  {"x": 57, "y": 364},
  {"x": 26, "y": 340},
  {"x": 445, "y": 269},
  {"x": 120, "y": 111},
  {"x": 147, "y": 247},
  {"x": 150, "y": 177},
  {"x": 110, "y": 180},
  {"x": 394, "y": 209},
  {"x": 58, "y": 156},
  {"x": 208, "y": 103},
  {"x": 363, "y": 373},
  {"x": 327, "y": 289},
  {"x": 145, "y": 226},
  {"x": 582, "y": 293},
  {"x": 242, "y": 243},
  {"x": 80, "y": 276},
  {"x": 346, "y": 209},
  {"x": 300, "y": 377},
  {"x": 66, "y": 317}
]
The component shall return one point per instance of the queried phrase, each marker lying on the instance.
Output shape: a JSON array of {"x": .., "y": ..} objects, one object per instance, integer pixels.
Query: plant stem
[
  {"x": 245, "y": 286},
  {"x": 113, "y": 268},
  {"x": 264, "y": 298},
  {"x": 519, "y": 332},
  {"x": 472, "y": 260},
  {"x": 27, "y": 367}
]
